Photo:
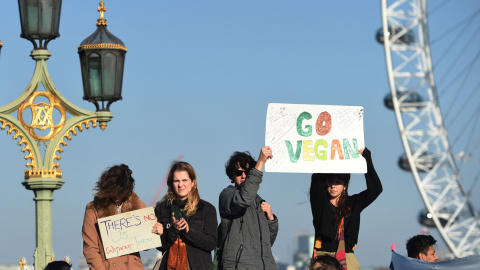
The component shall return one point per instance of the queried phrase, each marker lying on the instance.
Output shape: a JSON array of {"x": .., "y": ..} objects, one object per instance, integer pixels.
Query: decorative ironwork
[
  {"x": 67, "y": 136},
  {"x": 42, "y": 116},
  {"x": 102, "y": 46},
  {"x": 22, "y": 263},
  {"x": 43, "y": 173},
  {"x": 23, "y": 140},
  {"x": 102, "y": 9}
]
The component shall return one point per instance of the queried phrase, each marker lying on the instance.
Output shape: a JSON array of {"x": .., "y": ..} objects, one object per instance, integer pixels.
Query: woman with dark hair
[
  {"x": 324, "y": 262},
  {"x": 58, "y": 265},
  {"x": 114, "y": 195},
  {"x": 186, "y": 224},
  {"x": 336, "y": 215}
]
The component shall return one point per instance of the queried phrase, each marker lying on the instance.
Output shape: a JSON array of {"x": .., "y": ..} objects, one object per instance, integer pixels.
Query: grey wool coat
[{"x": 249, "y": 243}]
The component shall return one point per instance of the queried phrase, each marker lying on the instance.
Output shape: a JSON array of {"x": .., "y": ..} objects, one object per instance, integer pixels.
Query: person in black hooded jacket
[{"x": 330, "y": 204}]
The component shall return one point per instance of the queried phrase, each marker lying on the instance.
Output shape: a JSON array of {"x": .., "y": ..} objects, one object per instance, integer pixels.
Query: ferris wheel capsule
[
  {"x": 411, "y": 100},
  {"x": 404, "y": 36}
]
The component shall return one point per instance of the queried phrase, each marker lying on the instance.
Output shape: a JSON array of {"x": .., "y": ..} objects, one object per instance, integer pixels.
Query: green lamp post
[{"x": 34, "y": 126}]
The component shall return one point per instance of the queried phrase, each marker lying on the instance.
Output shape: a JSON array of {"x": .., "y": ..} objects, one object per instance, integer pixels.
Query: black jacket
[
  {"x": 201, "y": 238},
  {"x": 324, "y": 217}
]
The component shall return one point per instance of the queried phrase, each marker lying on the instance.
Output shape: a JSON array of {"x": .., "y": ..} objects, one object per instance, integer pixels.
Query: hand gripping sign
[
  {"x": 128, "y": 232},
  {"x": 315, "y": 138}
]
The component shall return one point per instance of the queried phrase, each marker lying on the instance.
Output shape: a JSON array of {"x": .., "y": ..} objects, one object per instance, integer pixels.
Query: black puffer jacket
[{"x": 201, "y": 238}]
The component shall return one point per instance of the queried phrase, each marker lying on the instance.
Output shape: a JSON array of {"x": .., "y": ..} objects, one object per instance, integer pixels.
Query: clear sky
[{"x": 198, "y": 78}]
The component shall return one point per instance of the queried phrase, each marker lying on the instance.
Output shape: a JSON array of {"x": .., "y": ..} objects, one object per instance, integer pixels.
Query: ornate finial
[
  {"x": 22, "y": 263},
  {"x": 102, "y": 9}
]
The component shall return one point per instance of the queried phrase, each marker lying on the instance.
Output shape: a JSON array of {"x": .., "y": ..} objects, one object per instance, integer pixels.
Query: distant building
[
  {"x": 302, "y": 254},
  {"x": 282, "y": 266}
]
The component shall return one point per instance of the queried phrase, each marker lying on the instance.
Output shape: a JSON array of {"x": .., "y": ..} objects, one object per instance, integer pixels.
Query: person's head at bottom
[
  {"x": 325, "y": 262},
  {"x": 421, "y": 247},
  {"x": 58, "y": 265}
]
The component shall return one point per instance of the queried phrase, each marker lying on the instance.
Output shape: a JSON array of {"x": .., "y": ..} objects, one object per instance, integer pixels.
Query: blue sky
[{"x": 198, "y": 78}]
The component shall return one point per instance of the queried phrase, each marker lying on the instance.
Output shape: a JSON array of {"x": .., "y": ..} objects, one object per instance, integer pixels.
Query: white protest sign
[
  {"x": 128, "y": 232},
  {"x": 315, "y": 138}
]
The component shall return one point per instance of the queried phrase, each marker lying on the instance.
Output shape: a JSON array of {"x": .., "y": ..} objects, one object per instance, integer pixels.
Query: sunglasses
[{"x": 240, "y": 172}]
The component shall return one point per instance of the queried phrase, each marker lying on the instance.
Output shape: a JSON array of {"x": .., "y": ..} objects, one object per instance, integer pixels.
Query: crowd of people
[{"x": 189, "y": 229}]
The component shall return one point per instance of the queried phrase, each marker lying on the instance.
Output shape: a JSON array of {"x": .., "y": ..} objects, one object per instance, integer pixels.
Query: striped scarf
[{"x": 340, "y": 255}]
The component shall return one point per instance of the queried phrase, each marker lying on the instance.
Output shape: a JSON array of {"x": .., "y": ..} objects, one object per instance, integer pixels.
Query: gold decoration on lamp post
[{"x": 42, "y": 120}]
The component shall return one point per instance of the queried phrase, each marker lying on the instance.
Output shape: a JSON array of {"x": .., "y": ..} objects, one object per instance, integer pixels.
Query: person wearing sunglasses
[{"x": 248, "y": 226}]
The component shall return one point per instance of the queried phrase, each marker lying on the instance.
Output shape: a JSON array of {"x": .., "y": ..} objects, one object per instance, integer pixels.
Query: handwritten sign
[
  {"x": 315, "y": 138},
  {"x": 128, "y": 232}
]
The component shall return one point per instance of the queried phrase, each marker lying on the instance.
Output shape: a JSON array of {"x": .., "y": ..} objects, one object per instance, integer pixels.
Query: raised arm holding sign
[
  {"x": 336, "y": 215},
  {"x": 327, "y": 141},
  {"x": 246, "y": 237}
]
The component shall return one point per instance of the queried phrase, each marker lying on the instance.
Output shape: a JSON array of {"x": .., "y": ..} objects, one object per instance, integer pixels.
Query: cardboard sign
[
  {"x": 315, "y": 138},
  {"x": 128, "y": 232}
]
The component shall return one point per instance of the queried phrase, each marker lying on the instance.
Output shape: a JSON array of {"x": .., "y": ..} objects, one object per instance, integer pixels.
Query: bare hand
[
  {"x": 157, "y": 228},
  {"x": 267, "y": 209},
  {"x": 265, "y": 153},
  {"x": 361, "y": 151},
  {"x": 180, "y": 225}
]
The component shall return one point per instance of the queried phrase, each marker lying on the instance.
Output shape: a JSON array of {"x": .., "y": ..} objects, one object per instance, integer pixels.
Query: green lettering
[
  {"x": 347, "y": 148},
  {"x": 322, "y": 155},
  {"x": 308, "y": 128},
  {"x": 294, "y": 156}
]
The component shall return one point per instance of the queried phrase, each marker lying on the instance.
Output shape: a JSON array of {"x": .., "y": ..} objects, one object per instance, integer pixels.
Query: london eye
[{"x": 432, "y": 158}]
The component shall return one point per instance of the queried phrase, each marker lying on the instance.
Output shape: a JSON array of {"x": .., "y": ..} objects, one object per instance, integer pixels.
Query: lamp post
[{"x": 42, "y": 135}]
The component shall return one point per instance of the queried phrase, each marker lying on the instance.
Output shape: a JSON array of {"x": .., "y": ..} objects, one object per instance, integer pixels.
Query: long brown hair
[
  {"x": 193, "y": 196},
  {"x": 343, "y": 208},
  {"x": 115, "y": 181}
]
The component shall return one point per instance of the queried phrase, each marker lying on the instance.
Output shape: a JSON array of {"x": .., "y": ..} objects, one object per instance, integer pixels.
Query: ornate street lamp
[
  {"x": 46, "y": 120},
  {"x": 102, "y": 57},
  {"x": 40, "y": 19}
]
